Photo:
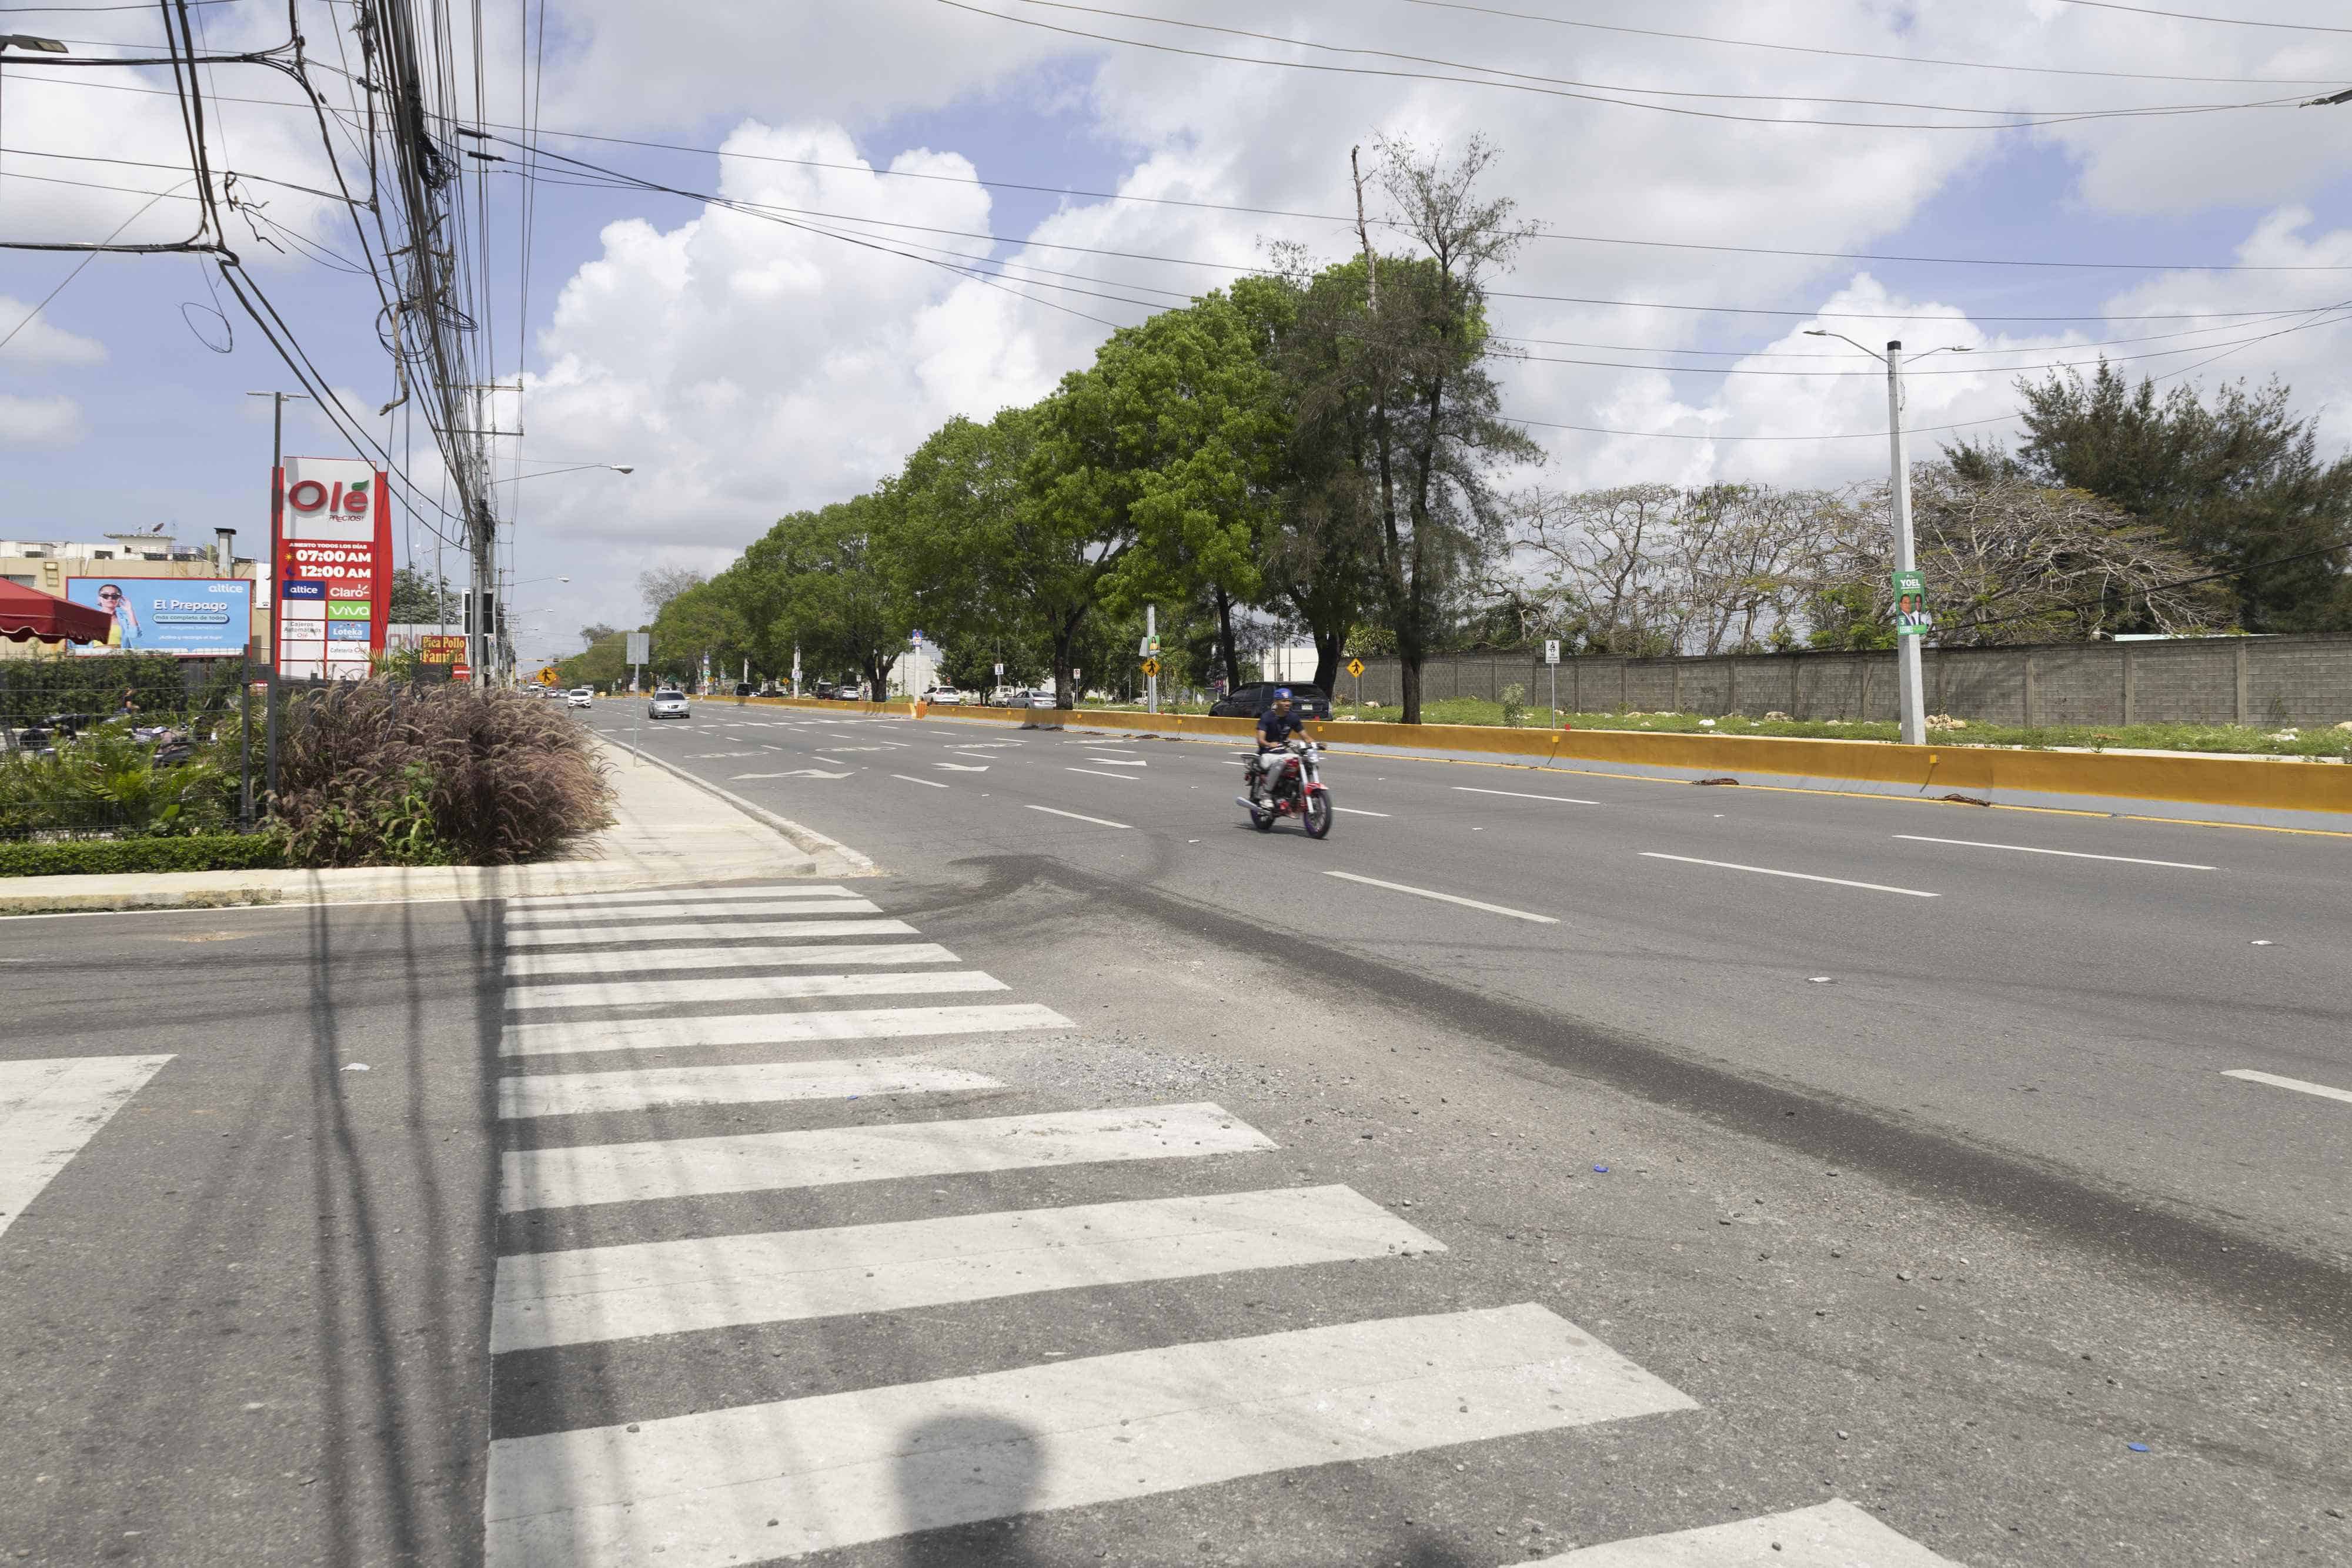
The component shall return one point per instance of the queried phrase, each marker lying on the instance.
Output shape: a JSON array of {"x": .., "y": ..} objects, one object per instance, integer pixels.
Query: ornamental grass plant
[{"x": 378, "y": 773}]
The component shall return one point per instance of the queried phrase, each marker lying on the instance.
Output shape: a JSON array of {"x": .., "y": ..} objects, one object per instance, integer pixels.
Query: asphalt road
[
  {"x": 2070, "y": 998},
  {"x": 1106, "y": 1183}
]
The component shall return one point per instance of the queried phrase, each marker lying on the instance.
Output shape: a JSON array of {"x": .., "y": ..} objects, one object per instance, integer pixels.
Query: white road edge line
[
  {"x": 927, "y": 783},
  {"x": 1798, "y": 875},
  {"x": 2070, "y": 855},
  {"x": 1443, "y": 897},
  {"x": 1075, "y": 817},
  {"x": 1523, "y": 795},
  {"x": 2298, "y": 1084}
]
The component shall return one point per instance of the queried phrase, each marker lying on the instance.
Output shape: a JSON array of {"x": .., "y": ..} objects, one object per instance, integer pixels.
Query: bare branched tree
[
  {"x": 2008, "y": 560},
  {"x": 660, "y": 584},
  {"x": 1650, "y": 569}
]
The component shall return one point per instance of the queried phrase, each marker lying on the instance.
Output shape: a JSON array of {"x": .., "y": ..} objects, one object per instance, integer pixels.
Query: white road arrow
[
  {"x": 962, "y": 766},
  {"x": 795, "y": 773}
]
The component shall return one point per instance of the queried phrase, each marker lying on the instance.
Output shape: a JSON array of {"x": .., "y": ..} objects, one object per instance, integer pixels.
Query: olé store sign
[{"x": 332, "y": 546}]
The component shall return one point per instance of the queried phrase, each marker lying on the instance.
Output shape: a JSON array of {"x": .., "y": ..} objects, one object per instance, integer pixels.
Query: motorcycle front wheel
[{"x": 1315, "y": 815}]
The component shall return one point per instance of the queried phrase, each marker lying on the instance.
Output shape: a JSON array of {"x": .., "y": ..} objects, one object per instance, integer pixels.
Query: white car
[
  {"x": 580, "y": 696},
  {"x": 667, "y": 703},
  {"x": 943, "y": 697}
]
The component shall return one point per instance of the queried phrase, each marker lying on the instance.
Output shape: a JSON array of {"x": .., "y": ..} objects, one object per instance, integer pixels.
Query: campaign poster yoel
[
  {"x": 191, "y": 617},
  {"x": 333, "y": 533}
]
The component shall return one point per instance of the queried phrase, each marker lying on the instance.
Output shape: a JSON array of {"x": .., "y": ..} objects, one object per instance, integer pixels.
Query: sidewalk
[{"x": 666, "y": 832}]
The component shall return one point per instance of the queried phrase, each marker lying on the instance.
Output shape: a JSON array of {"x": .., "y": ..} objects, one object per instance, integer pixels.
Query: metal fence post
[
  {"x": 245, "y": 745},
  {"x": 270, "y": 742}
]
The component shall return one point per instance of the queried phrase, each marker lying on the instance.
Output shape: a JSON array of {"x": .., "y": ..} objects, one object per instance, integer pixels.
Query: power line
[
  {"x": 1546, "y": 236},
  {"x": 1341, "y": 218},
  {"x": 1591, "y": 86},
  {"x": 1867, "y": 54},
  {"x": 2194, "y": 16},
  {"x": 1234, "y": 269},
  {"x": 2011, "y": 124}
]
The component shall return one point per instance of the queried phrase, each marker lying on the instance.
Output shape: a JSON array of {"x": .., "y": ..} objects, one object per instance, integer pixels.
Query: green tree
[
  {"x": 1395, "y": 377},
  {"x": 1200, "y": 426},
  {"x": 696, "y": 621},
  {"x": 419, "y": 600},
  {"x": 604, "y": 665},
  {"x": 2235, "y": 481},
  {"x": 971, "y": 555},
  {"x": 819, "y": 582}
]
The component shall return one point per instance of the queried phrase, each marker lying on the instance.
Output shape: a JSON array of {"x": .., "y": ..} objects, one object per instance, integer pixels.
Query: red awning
[{"x": 29, "y": 613}]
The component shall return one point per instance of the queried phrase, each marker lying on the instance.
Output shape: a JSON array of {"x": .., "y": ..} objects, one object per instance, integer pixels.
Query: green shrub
[
  {"x": 373, "y": 773},
  {"x": 100, "y": 857},
  {"x": 1515, "y": 706},
  {"x": 103, "y": 779}
]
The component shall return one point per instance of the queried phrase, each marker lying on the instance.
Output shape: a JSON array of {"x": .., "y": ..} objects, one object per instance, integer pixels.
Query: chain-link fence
[{"x": 125, "y": 745}]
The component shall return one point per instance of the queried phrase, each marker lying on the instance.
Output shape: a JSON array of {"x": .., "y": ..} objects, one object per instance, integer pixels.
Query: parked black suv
[{"x": 1250, "y": 700}]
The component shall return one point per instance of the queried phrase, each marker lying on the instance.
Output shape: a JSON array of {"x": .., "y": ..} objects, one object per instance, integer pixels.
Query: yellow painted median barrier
[{"x": 1983, "y": 772}]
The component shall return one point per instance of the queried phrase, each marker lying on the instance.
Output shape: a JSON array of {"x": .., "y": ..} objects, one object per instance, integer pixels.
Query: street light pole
[
  {"x": 1910, "y": 687},
  {"x": 1910, "y": 699}
]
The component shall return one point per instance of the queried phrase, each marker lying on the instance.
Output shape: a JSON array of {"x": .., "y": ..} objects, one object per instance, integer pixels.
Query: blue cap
[{"x": 1282, "y": 692}]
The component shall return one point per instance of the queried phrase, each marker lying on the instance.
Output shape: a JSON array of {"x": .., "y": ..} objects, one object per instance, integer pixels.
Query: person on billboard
[{"x": 115, "y": 603}]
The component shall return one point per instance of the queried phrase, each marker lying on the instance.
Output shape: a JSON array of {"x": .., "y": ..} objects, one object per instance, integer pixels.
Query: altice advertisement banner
[
  {"x": 191, "y": 617},
  {"x": 333, "y": 536}
]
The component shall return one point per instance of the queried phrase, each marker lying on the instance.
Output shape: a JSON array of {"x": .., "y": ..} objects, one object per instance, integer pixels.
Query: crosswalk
[{"x": 698, "y": 1004}]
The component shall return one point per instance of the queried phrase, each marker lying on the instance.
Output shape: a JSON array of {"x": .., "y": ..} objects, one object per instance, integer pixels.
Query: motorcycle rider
[{"x": 1276, "y": 726}]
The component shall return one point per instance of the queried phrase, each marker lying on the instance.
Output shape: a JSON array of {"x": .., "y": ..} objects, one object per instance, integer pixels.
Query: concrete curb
[{"x": 833, "y": 858}]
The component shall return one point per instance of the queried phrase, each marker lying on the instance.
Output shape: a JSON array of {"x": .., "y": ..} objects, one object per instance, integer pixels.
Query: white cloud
[
  {"x": 38, "y": 345},
  {"x": 39, "y": 422}
]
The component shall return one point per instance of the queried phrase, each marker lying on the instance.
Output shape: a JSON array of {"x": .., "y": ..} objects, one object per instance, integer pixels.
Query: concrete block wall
[{"x": 2263, "y": 681}]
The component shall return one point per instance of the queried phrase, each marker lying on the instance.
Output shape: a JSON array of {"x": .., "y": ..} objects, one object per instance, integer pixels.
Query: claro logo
[{"x": 311, "y": 498}]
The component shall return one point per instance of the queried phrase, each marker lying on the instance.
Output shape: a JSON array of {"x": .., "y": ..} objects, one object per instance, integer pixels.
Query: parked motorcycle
[{"x": 1295, "y": 790}]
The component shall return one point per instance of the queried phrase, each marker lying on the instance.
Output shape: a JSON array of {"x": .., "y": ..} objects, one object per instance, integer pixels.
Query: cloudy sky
[{"x": 1690, "y": 162}]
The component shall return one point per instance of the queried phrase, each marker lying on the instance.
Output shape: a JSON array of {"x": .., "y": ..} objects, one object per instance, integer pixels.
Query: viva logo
[{"x": 311, "y": 498}]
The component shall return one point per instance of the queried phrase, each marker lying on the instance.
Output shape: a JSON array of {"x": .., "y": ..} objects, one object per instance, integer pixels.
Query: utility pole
[
  {"x": 1364, "y": 237},
  {"x": 1910, "y": 700}
]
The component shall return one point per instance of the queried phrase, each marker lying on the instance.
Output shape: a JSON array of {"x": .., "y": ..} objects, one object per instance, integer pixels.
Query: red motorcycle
[{"x": 1294, "y": 788}]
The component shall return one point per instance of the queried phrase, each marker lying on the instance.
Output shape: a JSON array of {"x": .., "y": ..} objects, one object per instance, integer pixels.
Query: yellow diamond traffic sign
[
  {"x": 1356, "y": 667},
  {"x": 1150, "y": 667}
]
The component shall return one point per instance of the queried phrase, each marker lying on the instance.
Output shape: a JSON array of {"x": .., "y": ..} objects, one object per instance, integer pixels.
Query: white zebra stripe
[
  {"x": 646, "y": 1089},
  {"x": 529, "y": 968},
  {"x": 681, "y": 896},
  {"x": 614, "y": 938},
  {"x": 573, "y": 1037},
  {"x": 566, "y": 1175},
  {"x": 674, "y": 1287},
  {"x": 51, "y": 1106},
  {"x": 642, "y": 914},
  {"x": 751, "y": 988},
  {"x": 841, "y": 1469}
]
